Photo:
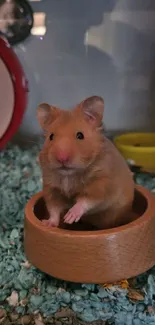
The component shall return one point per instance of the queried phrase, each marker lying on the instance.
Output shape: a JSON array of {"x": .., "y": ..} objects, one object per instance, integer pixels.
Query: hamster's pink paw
[
  {"x": 74, "y": 214},
  {"x": 50, "y": 223}
]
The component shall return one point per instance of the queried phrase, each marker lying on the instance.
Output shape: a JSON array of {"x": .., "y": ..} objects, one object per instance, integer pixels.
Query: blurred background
[
  {"x": 73, "y": 49},
  {"x": 60, "y": 52}
]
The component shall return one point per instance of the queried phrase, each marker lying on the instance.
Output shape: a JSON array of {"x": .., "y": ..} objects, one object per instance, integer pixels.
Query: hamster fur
[{"x": 84, "y": 175}]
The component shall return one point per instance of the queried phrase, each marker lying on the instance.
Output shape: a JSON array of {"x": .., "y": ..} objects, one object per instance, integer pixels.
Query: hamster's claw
[{"x": 74, "y": 214}]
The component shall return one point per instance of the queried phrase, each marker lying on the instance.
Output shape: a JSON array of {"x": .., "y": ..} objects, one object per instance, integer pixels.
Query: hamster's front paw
[
  {"x": 53, "y": 220},
  {"x": 50, "y": 222},
  {"x": 74, "y": 214}
]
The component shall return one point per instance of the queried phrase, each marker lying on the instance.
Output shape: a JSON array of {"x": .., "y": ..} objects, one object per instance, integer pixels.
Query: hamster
[{"x": 84, "y": 176}]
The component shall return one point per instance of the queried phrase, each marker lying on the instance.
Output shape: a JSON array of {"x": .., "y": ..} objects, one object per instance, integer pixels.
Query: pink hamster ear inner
[
  {"x": 46, "y": 114},
  {"x": 93, "y": 108}
]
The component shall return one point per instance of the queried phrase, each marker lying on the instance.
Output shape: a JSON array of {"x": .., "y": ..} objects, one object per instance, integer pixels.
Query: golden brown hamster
[{"x": 83, "y": 172}]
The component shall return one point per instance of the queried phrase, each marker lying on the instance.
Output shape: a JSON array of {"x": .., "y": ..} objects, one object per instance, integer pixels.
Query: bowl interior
[{"x": 138, "y": 209}]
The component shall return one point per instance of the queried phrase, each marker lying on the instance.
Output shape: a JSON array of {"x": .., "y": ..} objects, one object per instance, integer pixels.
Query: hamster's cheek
[
  {"x": 51, "y": 157},
  {"x": 82, "y": 161},
  {"x": 42, "y": 157}
]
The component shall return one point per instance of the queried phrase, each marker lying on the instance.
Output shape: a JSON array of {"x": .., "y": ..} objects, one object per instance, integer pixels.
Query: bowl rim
[
  {"x": 131, "y": 148},
  {"x": 30, "y": 216}
]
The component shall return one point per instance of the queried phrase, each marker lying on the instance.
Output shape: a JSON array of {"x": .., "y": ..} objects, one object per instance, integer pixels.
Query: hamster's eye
[
  {"x": 79, "y": 135},
  {"x": 51, "y": 137}
]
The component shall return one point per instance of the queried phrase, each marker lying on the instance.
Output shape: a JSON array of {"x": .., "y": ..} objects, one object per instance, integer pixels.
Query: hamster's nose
[{"x": 62, "y": 156}]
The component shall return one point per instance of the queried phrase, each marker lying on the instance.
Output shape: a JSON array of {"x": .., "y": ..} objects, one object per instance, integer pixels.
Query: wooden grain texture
[{"x": 93, "y": 256}]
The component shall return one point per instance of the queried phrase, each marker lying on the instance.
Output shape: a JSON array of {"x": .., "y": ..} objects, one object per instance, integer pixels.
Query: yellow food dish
[{"x": 137, "y": 148}]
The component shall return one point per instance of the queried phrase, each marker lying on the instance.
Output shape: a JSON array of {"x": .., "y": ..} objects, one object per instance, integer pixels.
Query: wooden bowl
[{"x": 96, "y": 256}]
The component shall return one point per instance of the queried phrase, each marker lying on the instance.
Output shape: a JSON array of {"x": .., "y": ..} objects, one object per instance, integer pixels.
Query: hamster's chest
[
  {"x": 67, "y": 186},
  {"x": 70, "y": 185}
]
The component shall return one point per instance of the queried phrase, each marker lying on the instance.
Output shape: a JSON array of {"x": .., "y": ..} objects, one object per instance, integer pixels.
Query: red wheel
[{"x": 13, "y": 92}]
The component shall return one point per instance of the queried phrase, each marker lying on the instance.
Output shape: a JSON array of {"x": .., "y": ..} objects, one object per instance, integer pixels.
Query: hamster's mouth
[{"x": 66, "y": 170}]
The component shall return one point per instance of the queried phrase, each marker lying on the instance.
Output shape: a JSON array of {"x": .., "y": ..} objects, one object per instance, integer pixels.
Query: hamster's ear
[
  {"x": 46, "y": 114},
  {"x": 93, "y": 108}
]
